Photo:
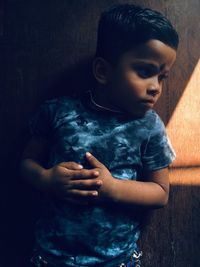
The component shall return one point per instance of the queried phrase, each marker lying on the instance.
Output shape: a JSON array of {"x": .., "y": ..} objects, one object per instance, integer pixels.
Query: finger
[
  {"x": 84, "y": 174},
  {"x": 71, "y": 165},
  {"x": 94, "y": 162},
  {"x": 85, "y": 184},
  {"x": 82, "y": 193}
]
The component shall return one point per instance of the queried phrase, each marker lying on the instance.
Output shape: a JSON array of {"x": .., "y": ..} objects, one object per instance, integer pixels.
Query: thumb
[{"x": 93, "y": 161}]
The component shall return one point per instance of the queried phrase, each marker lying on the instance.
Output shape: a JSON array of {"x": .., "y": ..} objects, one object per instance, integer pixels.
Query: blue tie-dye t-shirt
[{"x": 74, "y": 235}]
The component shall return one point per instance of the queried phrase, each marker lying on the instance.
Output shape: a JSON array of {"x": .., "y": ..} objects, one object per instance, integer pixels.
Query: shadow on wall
[{"x": 71, "y": 81}]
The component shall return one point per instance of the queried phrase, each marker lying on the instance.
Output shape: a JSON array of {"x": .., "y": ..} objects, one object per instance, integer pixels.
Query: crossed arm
[{"x": 71, "y": 182}]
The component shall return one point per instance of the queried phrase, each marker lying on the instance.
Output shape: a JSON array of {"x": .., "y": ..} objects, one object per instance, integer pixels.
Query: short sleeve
[
  {"x": 159, "y": 152},
  {"x": 41, "y": 123}
]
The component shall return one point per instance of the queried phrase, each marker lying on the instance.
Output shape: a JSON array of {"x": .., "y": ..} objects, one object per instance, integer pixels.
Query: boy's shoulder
[
  {"x": 56, "y": 108},
  {"x": 153, "y": 120},
  {"x": 151, "y": 125},
  {"x": 61, "y": 103},
  {"x": 63, "y": 100}
]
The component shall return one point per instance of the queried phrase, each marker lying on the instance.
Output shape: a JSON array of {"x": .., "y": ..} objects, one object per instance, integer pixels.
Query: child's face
[{"x": 136, "y": 82}]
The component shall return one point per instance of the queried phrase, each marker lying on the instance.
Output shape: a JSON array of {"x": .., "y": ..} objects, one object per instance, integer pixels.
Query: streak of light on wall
[{"x": 184, "y": 132}]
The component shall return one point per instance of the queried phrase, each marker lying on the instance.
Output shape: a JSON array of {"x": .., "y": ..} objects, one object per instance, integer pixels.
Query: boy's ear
[{"x": 101, "y": 70}]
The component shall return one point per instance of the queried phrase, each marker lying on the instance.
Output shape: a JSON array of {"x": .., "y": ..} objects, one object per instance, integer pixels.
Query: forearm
[
  {"x": 144, "y": 194},
  {"x": 33, "y": 173}
]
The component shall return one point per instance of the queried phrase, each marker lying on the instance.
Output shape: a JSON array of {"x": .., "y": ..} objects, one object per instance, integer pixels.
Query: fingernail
[
  {"x": 99, "y": 182},
  {"x": 88, "y": 154},
  {"x": 95, "y": 193},
  {"x": 80, "y": 166},
  {"x": 96, "y": 173}
]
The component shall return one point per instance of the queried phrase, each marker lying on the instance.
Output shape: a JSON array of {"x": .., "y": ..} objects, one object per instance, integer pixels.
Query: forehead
[{"x": 154, "y": 52}]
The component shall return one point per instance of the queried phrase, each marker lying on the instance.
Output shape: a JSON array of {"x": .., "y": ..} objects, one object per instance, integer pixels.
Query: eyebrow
[{"x": 153, "y": 66}]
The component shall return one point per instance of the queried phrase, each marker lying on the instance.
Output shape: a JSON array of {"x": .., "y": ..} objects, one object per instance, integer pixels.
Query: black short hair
[{"x": 121, "y": 27}]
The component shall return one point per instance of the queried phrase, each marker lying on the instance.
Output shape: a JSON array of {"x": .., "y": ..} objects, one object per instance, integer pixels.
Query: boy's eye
[
  {"x": 145, "y": 72},
  {"x": 163, "y": 77}
]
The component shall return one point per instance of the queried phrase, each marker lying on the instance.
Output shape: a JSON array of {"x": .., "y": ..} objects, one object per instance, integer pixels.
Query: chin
[{"x": 138, "y": 113}]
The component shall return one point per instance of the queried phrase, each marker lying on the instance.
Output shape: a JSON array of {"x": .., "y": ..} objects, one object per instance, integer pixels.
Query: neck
[{"x": 100, "y": 99}]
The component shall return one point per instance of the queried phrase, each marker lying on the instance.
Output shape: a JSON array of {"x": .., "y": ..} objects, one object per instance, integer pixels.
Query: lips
[
  {"x": 149, "y": 103},
  {"x": 151, "y": 100}
]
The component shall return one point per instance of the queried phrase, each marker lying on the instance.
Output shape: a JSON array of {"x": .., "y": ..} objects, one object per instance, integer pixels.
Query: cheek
[
  {"x": 127, "y": 87},
  {"x": 128, "y": 94},
  {"x": 134, "y": 85}
]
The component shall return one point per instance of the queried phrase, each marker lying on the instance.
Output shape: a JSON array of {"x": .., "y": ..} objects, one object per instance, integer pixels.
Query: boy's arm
[
  {"x": 33, "y": 158},
  {"x": 152, "y": 193}
]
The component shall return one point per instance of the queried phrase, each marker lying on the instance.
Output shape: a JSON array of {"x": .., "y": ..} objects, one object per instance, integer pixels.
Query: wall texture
[{"x": 45, "y": 49}]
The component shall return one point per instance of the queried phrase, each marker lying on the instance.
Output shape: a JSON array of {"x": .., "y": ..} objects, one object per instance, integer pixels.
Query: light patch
[
  {"x": 184, "y": 125},
  {"x": 185, "y": 177}
]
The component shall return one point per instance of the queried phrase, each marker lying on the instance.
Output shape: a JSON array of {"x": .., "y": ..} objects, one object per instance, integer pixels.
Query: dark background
[{"x": 45, "y": 47}]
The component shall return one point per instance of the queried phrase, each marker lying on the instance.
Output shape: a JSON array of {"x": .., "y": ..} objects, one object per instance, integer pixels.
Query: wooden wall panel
[{"x": 45, "y": 49}]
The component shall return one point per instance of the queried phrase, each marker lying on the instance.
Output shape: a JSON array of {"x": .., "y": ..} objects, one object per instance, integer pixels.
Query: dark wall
[{"x": 45, "y": 47}]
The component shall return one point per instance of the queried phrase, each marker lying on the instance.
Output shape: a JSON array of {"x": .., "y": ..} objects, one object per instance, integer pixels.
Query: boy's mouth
[{"x": 148, "y": 102}]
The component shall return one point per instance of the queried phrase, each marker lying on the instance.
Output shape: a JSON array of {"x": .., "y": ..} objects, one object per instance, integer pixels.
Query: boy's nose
[
  {"x": 154, "y": 88},
  {"x": 153, "y": 91}
]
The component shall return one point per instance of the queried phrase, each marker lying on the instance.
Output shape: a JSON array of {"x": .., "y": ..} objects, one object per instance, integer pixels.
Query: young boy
[{"x": 101, "y": 159}]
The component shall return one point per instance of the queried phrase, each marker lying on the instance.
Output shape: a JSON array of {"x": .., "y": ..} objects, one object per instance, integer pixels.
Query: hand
[
  {"x": 107, "y": 190},
  {"x": 69, "y": 181}
]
